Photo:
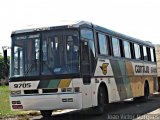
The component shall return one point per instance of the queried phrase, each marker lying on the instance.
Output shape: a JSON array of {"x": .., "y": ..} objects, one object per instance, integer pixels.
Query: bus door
[{"x": 86, "y": 74}]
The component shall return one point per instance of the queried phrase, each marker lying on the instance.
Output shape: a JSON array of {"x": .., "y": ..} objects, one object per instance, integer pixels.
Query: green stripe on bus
[
  {"x": 118, "y": 79},
  {"x": 54, "y": 83},
  {"x": 49, "y": 83},
  {"x": 122, "y": 68},
  {"x": 126, "y": 81},
  {"x": 43, "y": 84}
]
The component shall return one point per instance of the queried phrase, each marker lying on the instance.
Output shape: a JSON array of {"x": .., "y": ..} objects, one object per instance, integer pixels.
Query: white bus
[{"x": 78, "y": 66}]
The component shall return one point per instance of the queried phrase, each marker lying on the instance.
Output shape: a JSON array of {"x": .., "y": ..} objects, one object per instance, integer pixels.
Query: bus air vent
[{"x": 49, "y": 90}]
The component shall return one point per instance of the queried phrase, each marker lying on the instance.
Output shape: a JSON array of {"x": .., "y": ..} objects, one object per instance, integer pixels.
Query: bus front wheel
[
  {"x": 102, "y": 100},
  {"x": 46, "y": 113}
]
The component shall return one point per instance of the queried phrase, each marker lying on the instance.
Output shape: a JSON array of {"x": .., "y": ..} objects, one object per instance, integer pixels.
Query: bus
[{"x": 78, "y": 66}]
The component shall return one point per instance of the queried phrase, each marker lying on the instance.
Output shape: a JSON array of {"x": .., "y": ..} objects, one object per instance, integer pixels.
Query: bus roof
[{"x": 87, "y": 24}]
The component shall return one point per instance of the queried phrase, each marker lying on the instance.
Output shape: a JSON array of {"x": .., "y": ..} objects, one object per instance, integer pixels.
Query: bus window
[
  {"x": 18, "y": 66},
  {"x": 145, "y": 56},
  {"x": 137, "y": 51},
  {"x": 116, "y": 47},
  {"x": 102, "y": 44},
  {"x": 87, "y": 34},
  {"x": 60, "y": 54},
  {"x": 72, "y": 49},
  {"x": 25, "y": 56},
  {"x": 127, "y": 50}
]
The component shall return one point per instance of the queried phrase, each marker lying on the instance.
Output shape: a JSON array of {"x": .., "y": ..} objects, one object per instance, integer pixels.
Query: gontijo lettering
[{"x": 141, "y": 69}]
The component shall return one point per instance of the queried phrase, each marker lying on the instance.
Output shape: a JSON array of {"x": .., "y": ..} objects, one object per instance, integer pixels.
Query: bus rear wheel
[
  {"x": 146, "y": 92},
  {"x": 46, "y": 113}
]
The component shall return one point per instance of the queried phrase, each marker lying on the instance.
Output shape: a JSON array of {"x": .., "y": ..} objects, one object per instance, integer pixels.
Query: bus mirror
[{"x": 5, "y": 56}]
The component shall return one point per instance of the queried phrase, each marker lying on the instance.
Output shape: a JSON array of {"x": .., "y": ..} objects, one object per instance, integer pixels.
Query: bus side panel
[{"x": 126, "y": 77}]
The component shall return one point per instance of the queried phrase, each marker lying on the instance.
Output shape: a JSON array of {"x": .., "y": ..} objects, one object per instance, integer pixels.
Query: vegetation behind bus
[
  {"x": 4, "y": 70},
  {"x": 5, "y": 110}
]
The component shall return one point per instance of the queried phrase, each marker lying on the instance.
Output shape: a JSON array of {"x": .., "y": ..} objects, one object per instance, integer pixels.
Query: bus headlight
[
  {"x": 66, "y": 90},
  {"x": 16, "y": 92},
  {"x": 63, "y": 89},
  {"x": 75, "y": 89},
  {"x": 69, "y": 90}
]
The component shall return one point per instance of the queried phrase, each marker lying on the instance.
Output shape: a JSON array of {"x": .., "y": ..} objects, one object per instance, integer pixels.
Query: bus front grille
[
  {"x": 30, "y": 91},
  {"x": 49, "y": 90}
]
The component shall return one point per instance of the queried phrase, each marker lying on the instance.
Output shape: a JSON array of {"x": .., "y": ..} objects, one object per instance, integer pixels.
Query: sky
[{"x": 136, "y": 18}]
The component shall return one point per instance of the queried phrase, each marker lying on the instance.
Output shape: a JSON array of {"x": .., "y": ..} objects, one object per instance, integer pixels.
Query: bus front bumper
[{"x": 47, "y": 102}]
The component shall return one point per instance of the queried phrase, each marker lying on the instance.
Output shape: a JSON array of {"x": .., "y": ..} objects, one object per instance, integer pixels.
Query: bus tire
[
  {"x": 46, "y": 113},
  {"x": 146, "y": 92},
  {"x": 102, "y": 100}
]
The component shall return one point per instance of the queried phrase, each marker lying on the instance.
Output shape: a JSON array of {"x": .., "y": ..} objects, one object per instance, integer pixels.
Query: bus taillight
[{"x": 17, "y": 106}]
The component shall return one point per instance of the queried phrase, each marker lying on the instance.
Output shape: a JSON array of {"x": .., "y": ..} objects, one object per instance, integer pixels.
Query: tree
[{"x": 4, "y": 68}]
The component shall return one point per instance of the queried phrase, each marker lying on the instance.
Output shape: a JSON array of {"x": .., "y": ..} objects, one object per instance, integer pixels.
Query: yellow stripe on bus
[{"x": 64, "y": 83}]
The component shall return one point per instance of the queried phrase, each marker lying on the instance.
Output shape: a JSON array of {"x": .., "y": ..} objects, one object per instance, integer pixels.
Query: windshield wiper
[
  {"x": 31, "y": 67},
  {"x": 49, "y": 68}
]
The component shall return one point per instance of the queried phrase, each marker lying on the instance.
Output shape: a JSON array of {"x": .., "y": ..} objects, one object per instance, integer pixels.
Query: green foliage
[
  {"x": 5, "y": 110},
  {"x": 4, "y": 68}
]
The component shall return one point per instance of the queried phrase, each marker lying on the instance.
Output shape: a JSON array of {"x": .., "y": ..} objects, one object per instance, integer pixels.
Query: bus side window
[
  {"x": 102, "y": 44},
  {"x": 116, "y": 47},
  {"x": 127, "y": 50},
  {"x": 152, "y": 54},
  {"x": 137, "y": 51},
  {"x": 145, "y": 55}
]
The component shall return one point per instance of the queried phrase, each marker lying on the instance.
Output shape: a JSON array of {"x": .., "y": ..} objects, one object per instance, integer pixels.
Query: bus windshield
[{"x": 54, "y": 53}]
